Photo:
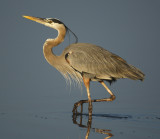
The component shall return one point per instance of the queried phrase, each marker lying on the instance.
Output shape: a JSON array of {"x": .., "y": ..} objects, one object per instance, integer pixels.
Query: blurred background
[{"x": 29, "y": 85}]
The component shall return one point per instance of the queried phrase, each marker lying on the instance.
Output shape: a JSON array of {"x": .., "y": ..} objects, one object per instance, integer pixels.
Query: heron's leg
[
  {"x": 89, "y": 101},
  {"x": 87, "y": 83},
  {"x": 103, "y": 99},
  {"x": 94, "y": 100},
  {"x": 109, "y": 91}
]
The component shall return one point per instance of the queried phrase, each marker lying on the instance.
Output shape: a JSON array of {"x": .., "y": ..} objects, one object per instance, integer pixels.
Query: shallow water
[{"x": 58, "y": 125}]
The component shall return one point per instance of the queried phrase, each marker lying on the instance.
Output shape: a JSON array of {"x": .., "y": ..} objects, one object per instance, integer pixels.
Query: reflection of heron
[
  {"x": 87, "y": 62},
  {"x": 89, "y": 128}
]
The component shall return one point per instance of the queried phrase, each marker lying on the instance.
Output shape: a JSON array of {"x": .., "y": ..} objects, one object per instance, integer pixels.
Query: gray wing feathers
[{"x": 101, "y": 63}]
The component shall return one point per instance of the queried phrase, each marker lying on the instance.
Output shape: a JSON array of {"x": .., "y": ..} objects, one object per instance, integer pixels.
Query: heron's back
[{"x": 99, "y": 64}]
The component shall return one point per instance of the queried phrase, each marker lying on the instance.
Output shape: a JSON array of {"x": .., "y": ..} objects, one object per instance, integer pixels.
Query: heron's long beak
[{"x": 36, "y": 19}]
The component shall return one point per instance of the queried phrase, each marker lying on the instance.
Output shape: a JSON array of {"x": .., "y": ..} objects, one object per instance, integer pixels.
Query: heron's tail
[{"x": 134, "y": 73}]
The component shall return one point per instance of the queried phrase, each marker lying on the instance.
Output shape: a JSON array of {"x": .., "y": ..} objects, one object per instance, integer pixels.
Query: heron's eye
[{"x": 49, "y": 21}]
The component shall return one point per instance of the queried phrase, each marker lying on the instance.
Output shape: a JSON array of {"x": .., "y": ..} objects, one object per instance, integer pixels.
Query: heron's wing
[{"x": 95, "y": 60}]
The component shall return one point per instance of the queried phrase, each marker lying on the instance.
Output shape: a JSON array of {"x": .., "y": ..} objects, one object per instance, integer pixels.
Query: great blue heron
[{"x": 85, "y": 62}]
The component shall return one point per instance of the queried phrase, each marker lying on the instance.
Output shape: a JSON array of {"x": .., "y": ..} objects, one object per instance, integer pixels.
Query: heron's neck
[{"x": 50, "y": 43}]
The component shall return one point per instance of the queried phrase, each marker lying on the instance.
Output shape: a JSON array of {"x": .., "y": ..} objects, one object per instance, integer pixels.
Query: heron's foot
[
  {"x": 78, "y": 104},
  {"x": 111, "y": 98}
]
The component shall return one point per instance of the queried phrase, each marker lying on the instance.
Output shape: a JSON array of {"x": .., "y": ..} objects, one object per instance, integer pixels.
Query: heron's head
[
  {"x": 52, "y": 23},
  {"x": 49, "y": 22}
]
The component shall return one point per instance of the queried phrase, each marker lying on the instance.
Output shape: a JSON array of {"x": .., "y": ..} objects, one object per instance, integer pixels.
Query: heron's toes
[{"x": 76, "y": 106}]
